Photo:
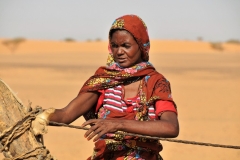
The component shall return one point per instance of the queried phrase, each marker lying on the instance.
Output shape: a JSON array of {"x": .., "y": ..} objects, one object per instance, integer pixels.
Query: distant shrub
[
  {"x": 12, "y": 44},
  {"x": 199, "y": 38},
  {"x": 98, "y": 39},
  {"x": 89, "y": 40},
  {"x": 233, "y": 41},
  {"x": 69, "y": 40},
  {"x": 217, "y": 46}
]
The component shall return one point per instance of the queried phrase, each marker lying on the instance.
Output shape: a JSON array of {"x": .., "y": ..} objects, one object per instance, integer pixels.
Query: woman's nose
[{"x": 120, "y": 50}]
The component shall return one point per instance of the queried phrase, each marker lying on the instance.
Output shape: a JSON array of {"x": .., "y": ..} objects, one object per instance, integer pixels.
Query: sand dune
[
  {"x": 205, "y": 85},
  {"x": 157, "y": 46}
]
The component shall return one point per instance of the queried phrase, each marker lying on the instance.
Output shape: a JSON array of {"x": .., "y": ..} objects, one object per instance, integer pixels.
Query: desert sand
[{"x": 205, "y": 85}]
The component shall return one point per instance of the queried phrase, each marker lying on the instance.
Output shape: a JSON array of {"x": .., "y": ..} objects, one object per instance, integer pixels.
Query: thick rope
[
  {"x": 39, "y": 152},
  {"x": 150, "y": 137},
  {"x": 9, "y": 134}
]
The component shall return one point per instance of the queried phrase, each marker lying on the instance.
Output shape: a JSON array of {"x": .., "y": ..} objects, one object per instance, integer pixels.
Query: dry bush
[
  {"x": 12, "y": 44},
  {"x": 199, "y": 38},
  {"x": 217, "y": 46},
  {"x": 69, "y": 40},
  {"x": 98, "y": 39},
  {"x": 233, "y": 41}
]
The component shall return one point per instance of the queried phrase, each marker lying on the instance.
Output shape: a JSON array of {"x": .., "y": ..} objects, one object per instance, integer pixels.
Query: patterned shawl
[{"x": 153, "y": 85}]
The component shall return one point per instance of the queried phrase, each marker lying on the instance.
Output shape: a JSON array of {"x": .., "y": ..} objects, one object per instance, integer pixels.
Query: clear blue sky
[{"x": 213, "y": 20}]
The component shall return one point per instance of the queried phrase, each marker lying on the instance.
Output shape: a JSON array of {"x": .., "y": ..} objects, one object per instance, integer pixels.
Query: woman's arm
[
  {"x": 76, "y": 108},
  {"x": 166, "y": 127}
]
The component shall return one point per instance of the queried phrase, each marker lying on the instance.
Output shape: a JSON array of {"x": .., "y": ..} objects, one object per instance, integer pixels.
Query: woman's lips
[{"x": 121, "y": 60}]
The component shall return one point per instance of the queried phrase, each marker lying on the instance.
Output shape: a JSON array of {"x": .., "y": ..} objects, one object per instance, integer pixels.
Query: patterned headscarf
[
  {"x": 154, "y": 86},
  {"x": 134, "y": 25}
]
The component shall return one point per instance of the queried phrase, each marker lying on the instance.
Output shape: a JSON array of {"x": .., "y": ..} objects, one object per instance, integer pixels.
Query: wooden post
[{"x": 11, "y": 111}]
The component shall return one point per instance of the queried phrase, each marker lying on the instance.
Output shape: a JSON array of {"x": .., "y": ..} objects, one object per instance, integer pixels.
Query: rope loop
[{"x": 20, "y": 127}]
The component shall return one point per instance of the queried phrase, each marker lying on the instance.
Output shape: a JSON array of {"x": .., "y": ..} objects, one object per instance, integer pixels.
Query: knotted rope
[
  {"x": 38, "y": 152},
  {"x": 151, "y": 137},
  {"x": 9, "y": 134}
]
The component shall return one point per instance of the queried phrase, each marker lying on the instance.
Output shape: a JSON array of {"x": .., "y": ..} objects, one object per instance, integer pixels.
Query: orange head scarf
[{"x": 134, "y": 25}]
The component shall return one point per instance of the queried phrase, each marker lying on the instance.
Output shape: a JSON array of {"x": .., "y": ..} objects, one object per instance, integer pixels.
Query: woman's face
[{"x": 125, "y": 49}]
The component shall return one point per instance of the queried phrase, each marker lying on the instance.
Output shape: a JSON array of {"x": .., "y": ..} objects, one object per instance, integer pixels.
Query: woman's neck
[{"x": 131, "y": 90}]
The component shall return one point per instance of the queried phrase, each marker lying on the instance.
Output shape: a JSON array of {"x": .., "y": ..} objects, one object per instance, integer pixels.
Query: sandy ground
[{"x": 205, "y": 86}]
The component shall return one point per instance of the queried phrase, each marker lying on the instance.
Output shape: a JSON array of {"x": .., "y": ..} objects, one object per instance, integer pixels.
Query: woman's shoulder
[{"x": 156, "y": 76}]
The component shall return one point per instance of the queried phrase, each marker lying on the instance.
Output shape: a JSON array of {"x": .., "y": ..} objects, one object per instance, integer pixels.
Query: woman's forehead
[{"x": 122, "y": 34}]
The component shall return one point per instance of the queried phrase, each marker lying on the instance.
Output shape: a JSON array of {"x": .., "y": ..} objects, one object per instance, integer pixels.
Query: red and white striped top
[{"x": 112, "y": 99}]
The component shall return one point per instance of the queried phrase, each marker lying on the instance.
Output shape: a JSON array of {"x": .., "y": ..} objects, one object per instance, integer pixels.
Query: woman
[{"x": 128, "y": 95}]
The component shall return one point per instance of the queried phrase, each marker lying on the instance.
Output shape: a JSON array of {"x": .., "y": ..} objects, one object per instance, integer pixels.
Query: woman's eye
[
  {"x": 127, "y": 46},
  {"x": 114, "y": 46}
]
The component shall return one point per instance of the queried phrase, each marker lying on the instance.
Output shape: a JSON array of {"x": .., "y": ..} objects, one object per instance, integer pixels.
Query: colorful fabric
[
  {"x": 154, "y": 86},
  {"x": 164, "y": 106},
  {"x": 113, "y": 98},
  {"x": 116, "y": 146}
]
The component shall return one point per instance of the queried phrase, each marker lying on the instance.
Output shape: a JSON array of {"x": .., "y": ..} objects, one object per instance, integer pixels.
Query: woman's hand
[
  {"x": 166, "y": 127},
  {"x": 100, "y": 127}
]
